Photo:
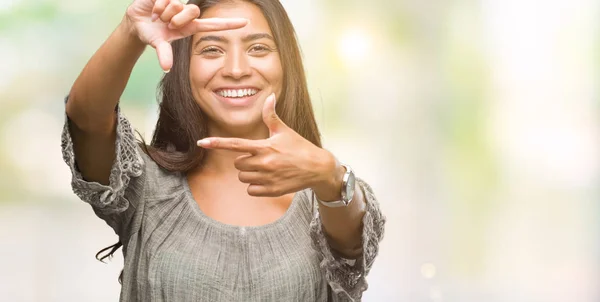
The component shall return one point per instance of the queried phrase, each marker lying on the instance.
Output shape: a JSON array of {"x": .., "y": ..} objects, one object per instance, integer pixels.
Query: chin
[{"x": 240, "y": 125}]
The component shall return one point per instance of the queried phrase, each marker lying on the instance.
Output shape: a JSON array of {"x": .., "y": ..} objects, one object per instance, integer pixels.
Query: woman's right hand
[{"x": 158, "y": 22}]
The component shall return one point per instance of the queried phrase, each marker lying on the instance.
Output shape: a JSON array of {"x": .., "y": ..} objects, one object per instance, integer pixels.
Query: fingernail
[
  {"x": 167, "y": 71},
  {"x": 171, "y": 26},
  {"x": 203, "y": 142},
  {"x": 154, "y": 17},
  {"x": 274, "y": 100}
]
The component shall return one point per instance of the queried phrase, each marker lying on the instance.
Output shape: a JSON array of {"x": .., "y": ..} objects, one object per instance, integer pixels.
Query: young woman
[{"x": 234, "y": 199}]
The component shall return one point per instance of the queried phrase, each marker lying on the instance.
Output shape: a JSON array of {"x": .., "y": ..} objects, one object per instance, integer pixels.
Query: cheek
[
  {"x": 202, "y": 71},
  {"x": 273, "y": 71}
]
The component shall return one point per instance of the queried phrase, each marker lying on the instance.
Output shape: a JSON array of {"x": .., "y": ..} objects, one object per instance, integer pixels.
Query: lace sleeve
[
  {"x": 124, "y": 175},
  {"x": 347, "y": 277}
]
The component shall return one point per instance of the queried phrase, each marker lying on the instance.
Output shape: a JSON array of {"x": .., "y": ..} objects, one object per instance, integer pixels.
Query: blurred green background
[{"x": 476, "y": 123}]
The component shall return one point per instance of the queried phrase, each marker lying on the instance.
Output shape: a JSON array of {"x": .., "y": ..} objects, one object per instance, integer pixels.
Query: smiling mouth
[{"x": 236, "y": 93}]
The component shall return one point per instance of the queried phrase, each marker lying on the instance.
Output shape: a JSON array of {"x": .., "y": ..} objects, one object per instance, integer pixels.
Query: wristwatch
[{"x": 347, "y": 190}]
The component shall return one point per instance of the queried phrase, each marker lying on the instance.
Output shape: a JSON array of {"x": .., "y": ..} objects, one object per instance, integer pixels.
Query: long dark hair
[{"x": 181, "y": 122}]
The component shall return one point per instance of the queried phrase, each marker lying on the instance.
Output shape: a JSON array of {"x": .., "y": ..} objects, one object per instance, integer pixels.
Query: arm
[
  {"x": 352, "y": 232},
  {"x": 284, "y": 169},
  {"x": 342, "y": 225},
  {"x": 286, "y": 162},
  {"x": 96, "y": 92},
  {"x": 335, "y": 245},
  {"x": 93, "y": 98}
]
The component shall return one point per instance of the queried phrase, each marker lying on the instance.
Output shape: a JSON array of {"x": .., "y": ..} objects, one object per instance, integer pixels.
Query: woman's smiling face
[{"x": 233, "y": 71}]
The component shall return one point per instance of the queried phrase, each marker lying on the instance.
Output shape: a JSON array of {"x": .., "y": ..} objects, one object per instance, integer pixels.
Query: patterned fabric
[
  {"x": 174, "y": 252},
  {"x": 347, "y": 279}
]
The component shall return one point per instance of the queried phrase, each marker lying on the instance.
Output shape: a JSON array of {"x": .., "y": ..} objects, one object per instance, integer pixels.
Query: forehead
[{"x": 237, "y": 9}]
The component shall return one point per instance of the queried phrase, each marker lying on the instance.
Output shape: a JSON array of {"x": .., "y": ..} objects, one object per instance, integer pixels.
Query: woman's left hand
[{"x": 283, "y": 163}]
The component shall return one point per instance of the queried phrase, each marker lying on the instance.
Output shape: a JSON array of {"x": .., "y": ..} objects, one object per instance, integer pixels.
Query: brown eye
[
  {"x": 211, "y": 50},
  {"x": 259, "y": 48}
]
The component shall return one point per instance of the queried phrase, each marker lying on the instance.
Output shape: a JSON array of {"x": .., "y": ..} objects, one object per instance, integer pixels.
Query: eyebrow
[{"x": 248, "y": 38}]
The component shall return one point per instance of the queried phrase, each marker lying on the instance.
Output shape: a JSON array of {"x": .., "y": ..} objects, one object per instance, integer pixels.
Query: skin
[
  {"x": 94, "y": 95},
  {"x": 244, "y": 58},
  {"x": 255, "y": 163},
  {"x": 251, "y": 152}
]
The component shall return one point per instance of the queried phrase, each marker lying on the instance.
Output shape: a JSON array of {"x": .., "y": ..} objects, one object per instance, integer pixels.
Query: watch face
[{"x": 350, "y": 188}]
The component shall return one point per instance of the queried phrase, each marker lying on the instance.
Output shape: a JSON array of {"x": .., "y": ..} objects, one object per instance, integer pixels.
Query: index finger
[
  {"x": 233, "y": 144},
  {"x": 213, "y": 24}
]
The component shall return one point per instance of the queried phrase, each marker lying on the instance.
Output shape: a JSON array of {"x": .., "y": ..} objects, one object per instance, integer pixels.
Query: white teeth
[{"x": 237, "y": 93}]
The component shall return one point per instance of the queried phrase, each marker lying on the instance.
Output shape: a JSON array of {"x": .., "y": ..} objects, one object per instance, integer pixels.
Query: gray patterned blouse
[{"x": 174, "y": 252}]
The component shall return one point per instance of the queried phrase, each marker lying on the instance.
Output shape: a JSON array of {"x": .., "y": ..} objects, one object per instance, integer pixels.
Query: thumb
[
  {"x": 270, "y": 116},
  {"x": 165, "y": 54}
]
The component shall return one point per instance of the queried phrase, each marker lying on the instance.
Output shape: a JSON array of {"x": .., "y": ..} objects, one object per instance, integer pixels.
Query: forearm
[
  {"x": 343, "y": 225},
  {"x": 92, "y": 101},
  {"x": 97, "y": 90}
]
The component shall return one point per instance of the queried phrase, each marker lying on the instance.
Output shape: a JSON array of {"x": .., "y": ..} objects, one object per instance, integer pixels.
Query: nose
[{"x": 236, "y": 65}]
